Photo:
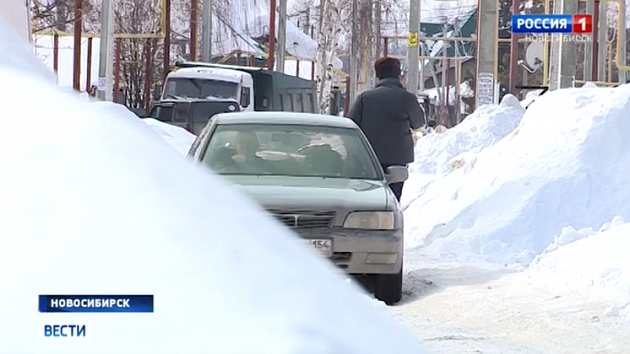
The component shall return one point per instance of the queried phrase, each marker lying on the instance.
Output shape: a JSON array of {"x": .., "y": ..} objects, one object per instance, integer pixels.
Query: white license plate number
[{"x": 324, "y": 247}]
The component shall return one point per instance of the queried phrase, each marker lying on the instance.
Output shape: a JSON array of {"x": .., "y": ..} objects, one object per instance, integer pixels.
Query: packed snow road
[{"x": 466, "y": 308}]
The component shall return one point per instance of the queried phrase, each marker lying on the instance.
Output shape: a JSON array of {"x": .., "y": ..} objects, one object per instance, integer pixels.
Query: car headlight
[{"x": 370, "y": 220}]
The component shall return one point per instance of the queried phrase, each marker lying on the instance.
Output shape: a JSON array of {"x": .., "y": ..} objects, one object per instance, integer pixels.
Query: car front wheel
[{"x": 388, "y": 287}]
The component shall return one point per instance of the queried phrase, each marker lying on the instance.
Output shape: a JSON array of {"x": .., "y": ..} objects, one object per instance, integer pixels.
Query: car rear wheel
[{"x": 388, "y": 287}]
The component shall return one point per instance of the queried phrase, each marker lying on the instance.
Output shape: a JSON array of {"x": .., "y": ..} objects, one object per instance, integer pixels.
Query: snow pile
[
  {"x": 530, "y": 97},
  {"x": 19, "y": 56},
  {"x": 565, "y": 165},
  {"x": 94, "y": 204},
  {"x": 179, "y": 138},
  {"x": 485, "y": 127},
  {"x": 598, "y": 260}
]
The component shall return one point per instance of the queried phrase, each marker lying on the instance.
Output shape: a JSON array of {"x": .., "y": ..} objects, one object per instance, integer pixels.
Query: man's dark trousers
[{"x": 397, "y": 188}]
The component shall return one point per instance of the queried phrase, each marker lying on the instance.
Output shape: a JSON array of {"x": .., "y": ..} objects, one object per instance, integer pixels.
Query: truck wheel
[{"x": 388, "y": 287}]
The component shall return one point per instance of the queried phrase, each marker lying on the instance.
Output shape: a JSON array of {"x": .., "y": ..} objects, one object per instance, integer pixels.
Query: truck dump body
[{"x": 273, "y": 91}]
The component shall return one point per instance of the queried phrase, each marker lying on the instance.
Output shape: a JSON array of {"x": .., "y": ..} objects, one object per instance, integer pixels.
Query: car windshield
[
  {"x": 290, "y": 150},
  {"x": 200, "y": 89}
]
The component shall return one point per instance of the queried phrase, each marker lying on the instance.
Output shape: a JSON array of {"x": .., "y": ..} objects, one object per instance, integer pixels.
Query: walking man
[{"x": 387, "y": 114}]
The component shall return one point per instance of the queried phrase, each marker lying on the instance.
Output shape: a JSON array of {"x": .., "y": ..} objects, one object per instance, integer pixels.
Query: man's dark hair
[{"x": 387, "y": 67}]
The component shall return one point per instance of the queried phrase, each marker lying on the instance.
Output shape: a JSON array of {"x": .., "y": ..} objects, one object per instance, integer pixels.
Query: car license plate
[{"x": 322, "y": 246}]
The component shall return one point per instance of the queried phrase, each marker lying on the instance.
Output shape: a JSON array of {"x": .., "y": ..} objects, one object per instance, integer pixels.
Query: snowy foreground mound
[
  {"x": 485, "y": 127},
  {"x": 179, "y": 138},
  {"x": 597, "y": 259},
  {"x": 96, "y": 204},
  {"x": 567, "y": 164}
]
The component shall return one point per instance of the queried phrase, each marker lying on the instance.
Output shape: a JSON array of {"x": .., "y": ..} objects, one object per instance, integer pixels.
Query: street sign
[
  {"x": 412, "y": 40},
  {"x": 485, "y": 89}
]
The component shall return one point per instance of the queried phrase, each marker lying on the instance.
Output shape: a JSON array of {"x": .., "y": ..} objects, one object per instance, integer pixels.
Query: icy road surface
[{"x": 460, "y": 308}]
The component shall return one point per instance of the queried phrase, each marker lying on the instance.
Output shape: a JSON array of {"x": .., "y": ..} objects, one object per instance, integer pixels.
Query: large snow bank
[
  {"x": 485, "y": 127},
  {"x": 93, "y": 204},
  {"x": 20, "y": 54},
  {"x": 530, "y": 97},
  {"x": 179, "y": 138},
  {"x": 593, "y": 259},
  {"x": 565, "y": 165}
]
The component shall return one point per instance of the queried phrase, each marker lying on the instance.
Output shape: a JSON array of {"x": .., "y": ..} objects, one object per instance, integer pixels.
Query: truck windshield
[{"x": 200, "y": 89}]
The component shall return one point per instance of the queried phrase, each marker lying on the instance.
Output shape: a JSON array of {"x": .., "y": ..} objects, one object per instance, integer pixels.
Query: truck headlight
[{"x": 370, "y": 220}]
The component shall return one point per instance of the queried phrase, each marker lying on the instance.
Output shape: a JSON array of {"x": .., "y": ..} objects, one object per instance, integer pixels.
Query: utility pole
[
  {"x": 421, "y": 65},
  {"x": 445, "y": 64},
  {"x": 194, "y": 17},
  {"x": 563, "y": 53},
  {"x": 413, "y": 53},
  {"x": 78, "y": 28},
  {"x": 588, "y": 46},
  {"x": 354, "y": 52},
  {"x": 206, "y": 31},
  {"x": 167, "y": 39},
  {"x": 486, "y": 52},
  {"x": 282, "y": 34},
  {"x": 621, "y": 36},
  {"x": 514, "y": 52},
  {"x": 106, "y": 59},
  {"x": 307, "y": 24},
  {"x": 602, "y": 38},
  {"x": 272, "y": 34}
]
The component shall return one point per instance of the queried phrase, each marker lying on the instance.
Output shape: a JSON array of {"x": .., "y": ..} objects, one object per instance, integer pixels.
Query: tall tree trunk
[
  {"x": 320, "y": 65},
  {"x": 333, "y": 26},
  {"x": 365, "y": 15},
  {"x": 61, "y": 15}
]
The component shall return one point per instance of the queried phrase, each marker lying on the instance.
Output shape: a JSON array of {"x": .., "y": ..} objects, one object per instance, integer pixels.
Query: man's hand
[{"x": 418, "y": 134}]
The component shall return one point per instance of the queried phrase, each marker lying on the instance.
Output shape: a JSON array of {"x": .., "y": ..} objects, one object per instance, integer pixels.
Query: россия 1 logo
[{"x": 580, "y": 24}]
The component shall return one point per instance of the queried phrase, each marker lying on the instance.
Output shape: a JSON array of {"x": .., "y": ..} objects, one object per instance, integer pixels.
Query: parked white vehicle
[{"x": 207, "y": 83}]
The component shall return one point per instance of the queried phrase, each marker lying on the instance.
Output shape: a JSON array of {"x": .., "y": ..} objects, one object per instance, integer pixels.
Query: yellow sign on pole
[{"x": 412, "y": 39}]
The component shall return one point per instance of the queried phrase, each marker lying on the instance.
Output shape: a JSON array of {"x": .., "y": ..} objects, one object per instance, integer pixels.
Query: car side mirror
[
  {"x": 396, "y": 174},
  {"x": 245, "y": 93}
]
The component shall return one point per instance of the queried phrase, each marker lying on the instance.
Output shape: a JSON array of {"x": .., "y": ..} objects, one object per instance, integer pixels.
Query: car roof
[{"x": 288, "y": 118}]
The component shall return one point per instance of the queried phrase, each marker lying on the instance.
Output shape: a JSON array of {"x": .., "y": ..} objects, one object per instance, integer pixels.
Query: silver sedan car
[{"x": 319, "y": 176}]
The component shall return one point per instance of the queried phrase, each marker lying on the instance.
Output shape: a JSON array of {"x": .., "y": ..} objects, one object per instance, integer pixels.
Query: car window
[{"x": 290, "y": 150}]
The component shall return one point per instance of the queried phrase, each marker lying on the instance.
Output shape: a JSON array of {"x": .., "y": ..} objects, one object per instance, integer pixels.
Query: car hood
[{"x": 278, "y": 192}]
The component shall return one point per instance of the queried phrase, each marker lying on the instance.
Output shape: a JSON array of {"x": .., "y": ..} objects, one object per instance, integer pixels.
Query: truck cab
[
  {"x": 210, "y": 84},
  {"x": 255, "y": 88}
]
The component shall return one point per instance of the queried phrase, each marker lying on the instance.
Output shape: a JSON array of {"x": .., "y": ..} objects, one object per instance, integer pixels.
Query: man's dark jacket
[{"x": 386, "y": 114}]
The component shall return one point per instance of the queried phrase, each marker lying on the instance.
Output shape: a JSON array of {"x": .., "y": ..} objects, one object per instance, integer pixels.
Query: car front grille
[{"x": 304, "y": 219}]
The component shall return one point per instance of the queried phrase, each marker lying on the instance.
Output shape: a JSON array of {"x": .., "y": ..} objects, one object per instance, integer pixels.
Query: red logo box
[{"x": 582, "y": 23}]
